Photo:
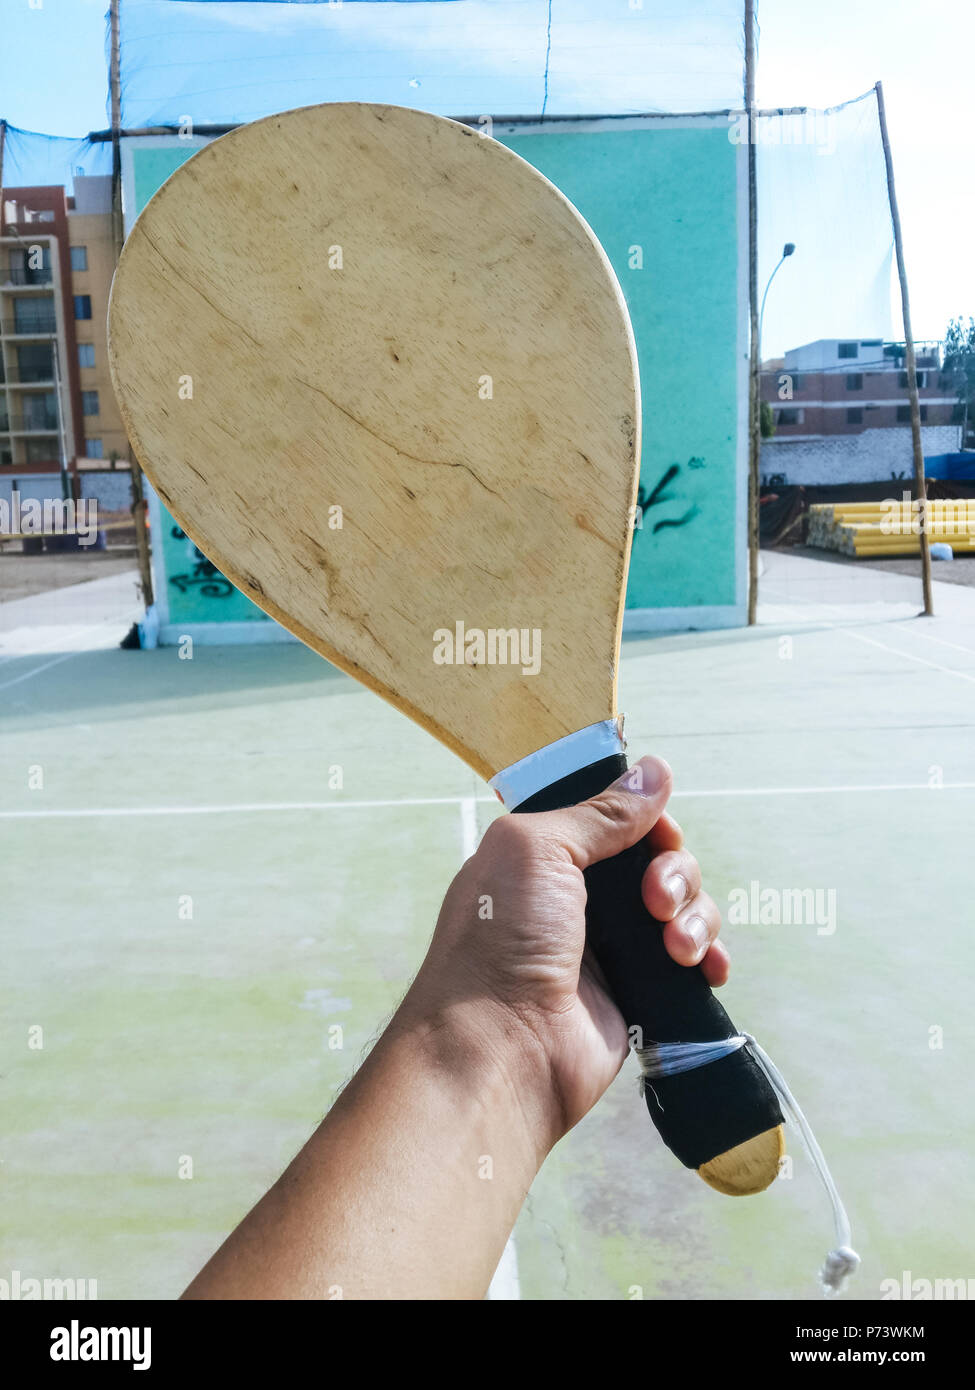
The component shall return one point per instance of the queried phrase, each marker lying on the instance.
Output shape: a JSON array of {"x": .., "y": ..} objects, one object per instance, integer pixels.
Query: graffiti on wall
[
  {"x": 659, "y": 495},
  {"x": 196, "y": 590},
  {"x": 206, "y": 577}
]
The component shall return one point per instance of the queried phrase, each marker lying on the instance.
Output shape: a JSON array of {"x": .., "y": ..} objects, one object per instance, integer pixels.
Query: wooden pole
[
  {"x": 115, "y": 90},
  {"x": 920, "y": 485},
  {"x": 139, "y": 504},
  {"x": 3, "y": 146},
  {"x": 754, "y": 368}
]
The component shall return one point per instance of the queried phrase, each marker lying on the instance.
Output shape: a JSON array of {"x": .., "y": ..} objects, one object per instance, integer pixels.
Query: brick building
[
  {"x": 57, "y": 258},
  {"x": 847, "y": 386}
]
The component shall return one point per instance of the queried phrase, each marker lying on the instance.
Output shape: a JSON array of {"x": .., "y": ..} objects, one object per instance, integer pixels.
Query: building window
[
  {"x": 922, "y": 380},
  {"x": 24, "y": 267},
  {"x": 79, "y": 258},
  {"x": 787, "y": 417},
  {"x": 40, "y": 412},
  {"x": 82, "y": 306},
  {"x": 86, "y": 354},
  {"x": 89, "y": 402},
  {"x": 848, "y": 350},
  {"x": 924, "y": 414},
  {"x": 41, "y": 451},
  {"x": 93, "y": 449},
  {"x": 35, "y": 362},
  {"x": 34, "y": 315},
  {"x": 854, "y": 381},
  {"x": 904, "y": 414},
  {"x": 854, "y": 415}
]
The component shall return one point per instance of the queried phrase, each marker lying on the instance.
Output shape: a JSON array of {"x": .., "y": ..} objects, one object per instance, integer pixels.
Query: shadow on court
[{"x": 222, "y": 875}]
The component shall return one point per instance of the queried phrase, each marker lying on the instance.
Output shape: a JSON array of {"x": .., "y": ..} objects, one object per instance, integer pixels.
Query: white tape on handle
[{"x": 523, "y": 779}]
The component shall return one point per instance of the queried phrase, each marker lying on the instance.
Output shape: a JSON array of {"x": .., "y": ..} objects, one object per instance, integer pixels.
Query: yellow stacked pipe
[{"x": 891, "y": 528}]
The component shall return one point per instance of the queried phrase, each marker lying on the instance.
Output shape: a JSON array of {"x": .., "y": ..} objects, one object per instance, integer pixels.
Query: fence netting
[
  {"x": 230, "y": 61},
  {"x": 32, "y": 159},
  {"x": 833, "y": 380}
]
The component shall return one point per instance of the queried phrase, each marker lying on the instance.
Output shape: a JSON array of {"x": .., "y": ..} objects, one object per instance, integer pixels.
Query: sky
[{"x": 812, "y": 52}]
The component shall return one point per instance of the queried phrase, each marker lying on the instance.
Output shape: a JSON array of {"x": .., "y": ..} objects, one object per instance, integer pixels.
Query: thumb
[{"x": 609, "y": 823}]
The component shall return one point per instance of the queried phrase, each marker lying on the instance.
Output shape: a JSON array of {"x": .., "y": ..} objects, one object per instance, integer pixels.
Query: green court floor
[{"x": 208, "y": 865}]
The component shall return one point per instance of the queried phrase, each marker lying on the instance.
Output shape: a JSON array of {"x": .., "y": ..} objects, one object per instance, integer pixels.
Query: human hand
[
  {"x": 505, "y": 1039},
  {"x": 508, "y": 964}
]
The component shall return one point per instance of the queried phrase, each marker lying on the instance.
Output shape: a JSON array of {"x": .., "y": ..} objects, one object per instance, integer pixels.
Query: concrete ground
[
  {"x": 189, "y": 907},
  {"x": 22, "y": 576},
  {"x": 960, "y": 570}
]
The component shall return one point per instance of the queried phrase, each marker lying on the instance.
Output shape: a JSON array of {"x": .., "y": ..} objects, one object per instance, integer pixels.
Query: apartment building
[
  {"x": 847, "y": 386},
  {"x": 57, "y": 258}
]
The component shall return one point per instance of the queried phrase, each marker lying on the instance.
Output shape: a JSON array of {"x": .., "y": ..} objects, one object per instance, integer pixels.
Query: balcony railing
[
  {"x": 41, "y": 422},
  {"x": 22, "y": 275},
  {"x": 33, "y": 379},
  {"x": 31, "y": 328}
]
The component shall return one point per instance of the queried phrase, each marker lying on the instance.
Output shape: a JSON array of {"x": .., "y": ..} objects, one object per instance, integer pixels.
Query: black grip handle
[{"x": 700, "y": 1113}]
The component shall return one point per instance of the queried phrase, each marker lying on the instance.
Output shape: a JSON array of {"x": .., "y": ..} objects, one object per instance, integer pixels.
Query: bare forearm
[{"x": 412, "y": 1183}]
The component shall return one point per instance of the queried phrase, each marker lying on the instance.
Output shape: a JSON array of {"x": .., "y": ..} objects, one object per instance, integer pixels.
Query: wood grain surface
[{"x": 383, "y": 311}]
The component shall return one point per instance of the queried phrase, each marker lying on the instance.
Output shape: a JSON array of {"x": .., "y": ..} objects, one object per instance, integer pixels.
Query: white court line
[
  {"x": 86, "y": 629},
  {"x": 468, "y": 826},
  {"x": 245, "y": 807},
  {"x": 38, "y": 649},
  {"x": 812, "y": 791},
  {"x": 270, "y": 807},
  {"x": 908, "y": 656},
  {"x": 505, "y": 1286},
  {"x": 45, "y": 666},
  {"x": 955, "y": 646}
]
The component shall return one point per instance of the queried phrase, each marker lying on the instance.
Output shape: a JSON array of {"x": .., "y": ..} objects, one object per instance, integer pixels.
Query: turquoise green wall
[
  {"x": 196, "y": 592},
  {"x": 670, "y": 195},
  {"x": 673, "y": 193},
  {"x": 152, "y": 166}
]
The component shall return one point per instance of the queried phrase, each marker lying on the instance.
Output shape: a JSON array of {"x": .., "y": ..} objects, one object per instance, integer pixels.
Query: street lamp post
[{"x": 787, "y": 251}]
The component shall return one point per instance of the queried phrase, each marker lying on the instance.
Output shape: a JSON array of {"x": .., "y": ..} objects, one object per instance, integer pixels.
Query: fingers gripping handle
[{"x": 700, "y": 1113}]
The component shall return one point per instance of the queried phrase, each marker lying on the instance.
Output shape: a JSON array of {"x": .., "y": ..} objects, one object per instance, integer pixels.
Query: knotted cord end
[{"x": 840, "y": 1264}]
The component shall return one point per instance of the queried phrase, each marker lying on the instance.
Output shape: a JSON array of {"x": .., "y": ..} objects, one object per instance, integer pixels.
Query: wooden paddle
[{"x": 381, "y": 371}]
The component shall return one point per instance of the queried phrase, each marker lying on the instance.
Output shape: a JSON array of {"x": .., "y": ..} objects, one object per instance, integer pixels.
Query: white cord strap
[{"x": 668, "y": 1059}]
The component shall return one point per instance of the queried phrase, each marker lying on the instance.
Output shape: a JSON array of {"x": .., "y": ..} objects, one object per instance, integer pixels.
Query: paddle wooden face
[{"x": 381, "y": 372}]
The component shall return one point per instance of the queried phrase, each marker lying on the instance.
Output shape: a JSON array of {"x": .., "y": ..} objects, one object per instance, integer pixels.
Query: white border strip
[{"x": 703, "y": 617}]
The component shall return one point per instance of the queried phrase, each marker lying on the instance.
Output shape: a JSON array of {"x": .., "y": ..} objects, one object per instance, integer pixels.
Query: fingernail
[
  {"x": 697, "y": 929},
  {"x": 645, "y": 777},
  {"x": 677, "y": 888}
]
